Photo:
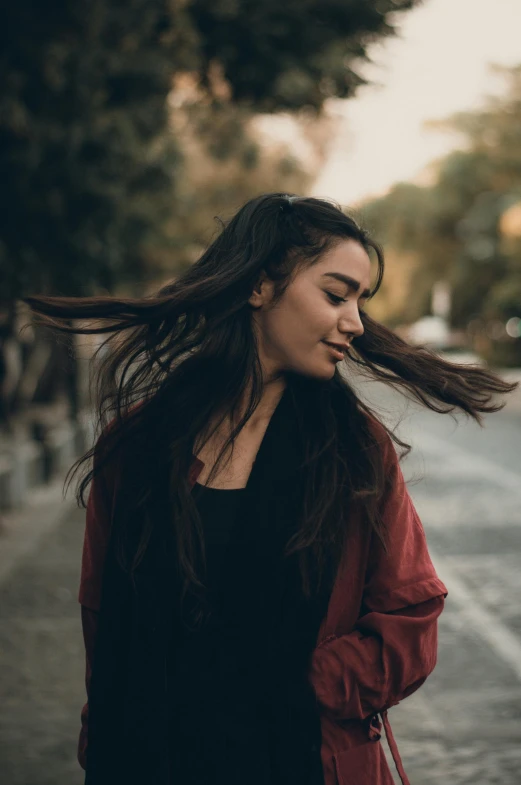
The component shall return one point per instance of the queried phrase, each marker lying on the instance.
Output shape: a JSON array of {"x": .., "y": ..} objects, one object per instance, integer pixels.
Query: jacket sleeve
[
  {"x": 393, "y": 646},
  {"x": 89, "y": 621},
  {"x": 93, "y": 557}
]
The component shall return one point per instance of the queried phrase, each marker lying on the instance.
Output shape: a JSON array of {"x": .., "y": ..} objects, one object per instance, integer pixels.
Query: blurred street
[{"x": 461, "y": 727}]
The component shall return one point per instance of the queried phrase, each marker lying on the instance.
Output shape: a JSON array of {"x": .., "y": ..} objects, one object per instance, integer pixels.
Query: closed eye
[{"x": 337, "y": 300}]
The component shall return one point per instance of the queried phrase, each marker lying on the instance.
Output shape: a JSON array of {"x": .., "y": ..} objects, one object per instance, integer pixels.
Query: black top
[
  {"x": 218, "y": 509},
  {"x": 211, "y": 716},
  {"x": 261, "y": 654}
]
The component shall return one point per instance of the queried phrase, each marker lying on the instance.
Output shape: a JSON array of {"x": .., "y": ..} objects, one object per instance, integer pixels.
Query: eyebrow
[{"x": 352, "y": 282}]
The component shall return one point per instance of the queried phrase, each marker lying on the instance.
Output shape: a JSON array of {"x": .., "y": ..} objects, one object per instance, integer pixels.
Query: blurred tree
[
  {"x": 465, "y": 227},
  {"x": 87, "y": 160},
  {"x": 230, "y": 155},
  {"x": 86, "y": 163},
  {"x": 477, "y": 186},
  {"x": 401, "y": 222},
  {"x": 288, "y": 55}
]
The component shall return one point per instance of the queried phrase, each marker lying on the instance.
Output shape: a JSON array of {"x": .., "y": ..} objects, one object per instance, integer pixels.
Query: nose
[{"x": 352, "y": 324}]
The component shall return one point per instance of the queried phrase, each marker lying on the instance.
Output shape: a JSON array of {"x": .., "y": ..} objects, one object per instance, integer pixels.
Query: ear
[{"x": 262, "y": 293}]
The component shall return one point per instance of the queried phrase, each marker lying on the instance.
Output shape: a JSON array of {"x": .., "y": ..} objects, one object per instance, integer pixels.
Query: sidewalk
[
  {"x": 22, "y": 530},
  {"x": 41, "y": 646}
]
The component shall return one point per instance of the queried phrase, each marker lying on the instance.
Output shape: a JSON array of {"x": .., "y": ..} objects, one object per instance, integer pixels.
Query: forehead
[{"x": 347, "y": 257}]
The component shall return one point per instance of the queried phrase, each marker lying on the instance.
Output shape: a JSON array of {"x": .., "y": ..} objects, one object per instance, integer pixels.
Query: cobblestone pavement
[{"x": 463, "y": 726}]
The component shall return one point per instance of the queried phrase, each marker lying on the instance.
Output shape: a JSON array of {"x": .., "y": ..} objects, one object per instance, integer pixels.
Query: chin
[
  {"x": 319, "y": 373},
  {"x": 328, "y": 374}
]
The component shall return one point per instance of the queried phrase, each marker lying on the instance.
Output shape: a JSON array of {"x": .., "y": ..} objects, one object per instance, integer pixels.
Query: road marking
[
  {"x": 497, "y": 635},
  {"x": 505, "y": 643}
]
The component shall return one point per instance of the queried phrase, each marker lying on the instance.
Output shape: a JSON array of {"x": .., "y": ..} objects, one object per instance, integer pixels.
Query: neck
[{"x": 271, "y": 394}]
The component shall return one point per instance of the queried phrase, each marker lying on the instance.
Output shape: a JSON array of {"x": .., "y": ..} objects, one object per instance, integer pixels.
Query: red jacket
[{"x": 376, "y": 645}]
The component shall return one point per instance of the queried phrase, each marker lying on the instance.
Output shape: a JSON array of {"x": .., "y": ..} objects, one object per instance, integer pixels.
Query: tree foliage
[
  {"x": 288, "y": 55},
  {"x": 91, "y": 171},
  {"x": 456, "y": 229},
  {"x": 85, "y": 160}
]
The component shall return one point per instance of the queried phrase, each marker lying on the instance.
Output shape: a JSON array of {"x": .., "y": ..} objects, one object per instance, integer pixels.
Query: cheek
[
  {"x": 314, "y": 318},
  {"x": 301, "y": 324}
]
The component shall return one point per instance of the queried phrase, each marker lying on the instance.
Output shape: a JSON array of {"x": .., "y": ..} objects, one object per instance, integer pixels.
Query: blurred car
[{"x": 431, "y": 331}]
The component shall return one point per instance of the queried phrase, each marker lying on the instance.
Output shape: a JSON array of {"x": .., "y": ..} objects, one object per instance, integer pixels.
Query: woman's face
[{"x": 319, "y": 307}]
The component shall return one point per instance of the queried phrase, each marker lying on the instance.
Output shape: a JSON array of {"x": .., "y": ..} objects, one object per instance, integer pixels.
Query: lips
[
  {"x": 335, "y": 350},
  {"x": 342, "y": 347}
]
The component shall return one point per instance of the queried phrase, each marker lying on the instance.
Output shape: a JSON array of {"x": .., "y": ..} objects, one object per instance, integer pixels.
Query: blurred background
[{"x": 125, "y": 128}]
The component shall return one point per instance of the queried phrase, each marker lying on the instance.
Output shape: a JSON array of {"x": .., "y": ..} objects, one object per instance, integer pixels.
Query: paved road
[{"x": 461, "y": 727}]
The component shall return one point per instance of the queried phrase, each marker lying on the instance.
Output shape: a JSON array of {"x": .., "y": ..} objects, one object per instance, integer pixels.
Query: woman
[{"x": 256, "y": 587}]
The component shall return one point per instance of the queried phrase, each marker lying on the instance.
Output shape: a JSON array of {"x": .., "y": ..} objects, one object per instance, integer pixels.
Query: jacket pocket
[{"x": 362, "y": 765}]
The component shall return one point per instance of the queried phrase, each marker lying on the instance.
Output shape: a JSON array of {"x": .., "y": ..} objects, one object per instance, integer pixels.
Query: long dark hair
[{"x": 188, "y": 357}]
